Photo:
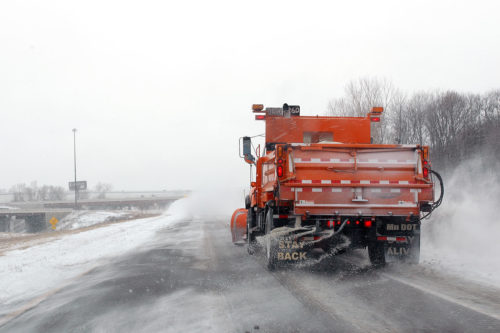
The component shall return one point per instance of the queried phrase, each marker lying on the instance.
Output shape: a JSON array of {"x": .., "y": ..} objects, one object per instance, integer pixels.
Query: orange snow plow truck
[{"x": 322, "y": 186}]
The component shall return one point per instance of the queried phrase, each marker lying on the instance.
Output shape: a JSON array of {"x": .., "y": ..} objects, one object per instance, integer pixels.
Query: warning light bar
[
  {"x": 257, "y": 107},
  {"x": 260, "y": 117}
]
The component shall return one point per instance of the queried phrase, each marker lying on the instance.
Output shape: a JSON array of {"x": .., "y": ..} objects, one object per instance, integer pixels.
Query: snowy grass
[
  {"x": 32, "y": 271},
  {"x": 85, "y": 218}
]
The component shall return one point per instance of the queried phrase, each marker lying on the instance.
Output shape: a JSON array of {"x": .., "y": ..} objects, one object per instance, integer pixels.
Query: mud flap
[{"x": 408, "y": 252}]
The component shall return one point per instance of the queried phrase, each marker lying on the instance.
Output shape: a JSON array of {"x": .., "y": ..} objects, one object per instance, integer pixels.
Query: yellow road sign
[{"x": 53, "y": 221}]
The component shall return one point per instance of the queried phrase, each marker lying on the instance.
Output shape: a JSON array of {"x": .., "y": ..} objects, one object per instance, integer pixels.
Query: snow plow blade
[{"x": 239, "y": 226}]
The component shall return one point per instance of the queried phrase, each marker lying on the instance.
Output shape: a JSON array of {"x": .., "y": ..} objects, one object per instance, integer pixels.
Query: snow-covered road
[{"x": 180, "y": 272}]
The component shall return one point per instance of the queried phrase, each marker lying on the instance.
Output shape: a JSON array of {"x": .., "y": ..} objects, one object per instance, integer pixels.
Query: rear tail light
[
  {"x": 280, "y": 171},
  {"x": 425, "y": 169},
  {"x": 368, "y": 223},
  {"x": 330, "y": 224},
  {"x": 260, "y": 117},
  {"x": 425, "y": 172},
  {"x": 357, "y": 222}
]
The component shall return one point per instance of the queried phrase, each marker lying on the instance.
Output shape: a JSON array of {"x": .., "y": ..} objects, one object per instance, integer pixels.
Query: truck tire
[
  {"x": 251, "y": 242},
  {"x": 271, "y": 246},
  {"x": 376, "y": 253}
]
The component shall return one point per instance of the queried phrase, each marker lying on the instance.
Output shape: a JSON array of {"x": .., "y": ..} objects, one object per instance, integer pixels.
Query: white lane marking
[
  {"x": 358, "y": 262},
  {"x": 442, "y": 296}
]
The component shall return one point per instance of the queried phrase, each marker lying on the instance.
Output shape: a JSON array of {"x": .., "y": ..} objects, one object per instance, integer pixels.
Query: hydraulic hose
[
  {"x": 441, "y": 195},
  {"x": 438, "y": 202}
]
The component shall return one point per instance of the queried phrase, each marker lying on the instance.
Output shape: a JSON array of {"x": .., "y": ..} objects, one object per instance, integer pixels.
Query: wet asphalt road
[{"x": 190, "y": 278}]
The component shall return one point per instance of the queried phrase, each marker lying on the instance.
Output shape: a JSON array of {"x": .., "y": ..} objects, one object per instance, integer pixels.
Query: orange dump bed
[{"x": 351, "y": 179}]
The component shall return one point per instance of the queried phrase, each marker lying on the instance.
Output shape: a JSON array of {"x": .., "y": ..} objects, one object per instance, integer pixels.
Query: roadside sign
[
  {"x": 80, "y": 185},
  {"x": 53, "y": 221}
]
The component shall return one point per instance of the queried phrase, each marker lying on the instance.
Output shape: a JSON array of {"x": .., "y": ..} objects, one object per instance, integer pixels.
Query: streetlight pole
[{"x": 74, "y": 158}]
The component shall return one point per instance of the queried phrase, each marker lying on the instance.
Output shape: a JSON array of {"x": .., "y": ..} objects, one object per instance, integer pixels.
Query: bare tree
[
  {"x": 56, "y": 193},
  {"x": 102, "y": 189},
  {"x": 18, "y": 192},
  {"x": 363, "y": 94},
  {"x": 455, "y": 125},
  {"x": 43, "y": 193}
]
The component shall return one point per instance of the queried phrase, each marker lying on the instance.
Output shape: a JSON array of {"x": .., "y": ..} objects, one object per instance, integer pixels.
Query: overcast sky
[{"x": 160, "y": 91}]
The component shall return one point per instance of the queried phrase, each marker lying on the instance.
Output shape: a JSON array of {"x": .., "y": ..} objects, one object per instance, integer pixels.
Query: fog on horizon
[{"x": 161, "y": 92}]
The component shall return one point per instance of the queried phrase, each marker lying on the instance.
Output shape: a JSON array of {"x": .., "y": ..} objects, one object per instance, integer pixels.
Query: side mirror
[{"x": 247, "y": 150}]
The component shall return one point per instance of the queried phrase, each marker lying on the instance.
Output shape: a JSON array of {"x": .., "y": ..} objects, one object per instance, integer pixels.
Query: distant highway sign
[{"x": 80, "y": 185}]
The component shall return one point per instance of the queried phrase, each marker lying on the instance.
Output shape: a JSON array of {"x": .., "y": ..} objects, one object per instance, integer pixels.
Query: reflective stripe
[
  {"x": 350, "y": 161},
  {"x": 401, "y": 205}
]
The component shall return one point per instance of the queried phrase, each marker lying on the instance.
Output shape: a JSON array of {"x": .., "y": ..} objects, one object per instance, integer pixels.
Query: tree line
[
  {"x": 32, "y": 192},
  {"x": 457, "y": 126}
]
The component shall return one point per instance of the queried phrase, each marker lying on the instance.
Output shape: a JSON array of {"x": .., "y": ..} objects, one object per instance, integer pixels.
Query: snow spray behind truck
[{"x": 322, "y": 185}]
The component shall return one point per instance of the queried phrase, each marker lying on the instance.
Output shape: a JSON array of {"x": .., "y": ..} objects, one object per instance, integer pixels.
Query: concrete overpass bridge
[
  {"x": 35, "y": 217},
  {"x": 30, "y": 221}
]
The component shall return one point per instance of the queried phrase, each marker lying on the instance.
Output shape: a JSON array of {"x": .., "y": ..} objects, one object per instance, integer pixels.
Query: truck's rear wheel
[
  {"x": 376, "y": 253},
  {"x": 251, "y": 242},
  {"x": 271, "y": 246}
]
